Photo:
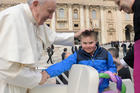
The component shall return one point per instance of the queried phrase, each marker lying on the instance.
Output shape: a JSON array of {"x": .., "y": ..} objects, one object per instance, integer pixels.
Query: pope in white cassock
[{"x": 23, "y": 38}]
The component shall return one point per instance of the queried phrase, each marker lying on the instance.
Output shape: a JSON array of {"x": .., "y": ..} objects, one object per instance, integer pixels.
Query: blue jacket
[{"x": 101, "y": 60}]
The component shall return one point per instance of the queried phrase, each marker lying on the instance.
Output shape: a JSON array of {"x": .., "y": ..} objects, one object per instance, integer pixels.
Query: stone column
[
  {"x": 119, "y": 27},
  {"x": 103, "y": 32},
  {"x": 53, "y": 23},
  {"x": 87, "y": 17},
  {"x": 82, "y": 23},
  {"x": 70, "y": 18}
]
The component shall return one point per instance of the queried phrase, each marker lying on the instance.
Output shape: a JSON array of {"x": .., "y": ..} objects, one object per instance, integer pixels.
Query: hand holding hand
[
  {"x": 116, "y": 60},
  {"x": 45, "y": 77}
]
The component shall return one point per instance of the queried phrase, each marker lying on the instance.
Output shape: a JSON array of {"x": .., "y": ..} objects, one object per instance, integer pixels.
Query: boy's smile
[{"x": 88, "y": 44}]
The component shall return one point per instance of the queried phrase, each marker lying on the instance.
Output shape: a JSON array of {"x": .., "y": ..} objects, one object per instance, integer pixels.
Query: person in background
[
  {"x": 123, "y": 71},
  {"x": 64, "y": 55},
  {"x": 124, "y": 48},
  {"x": 130, "y": 45},
  {"x": 80, "y": 47},
  {"x": 50, "y": 53},
  {"x": 133, "y": 6},
  {"x": 74, "y": 48},
  {"x": 116, "y": 45},
  {"x": 127, "y": 60},
  {"x": 91, "y": 55}
]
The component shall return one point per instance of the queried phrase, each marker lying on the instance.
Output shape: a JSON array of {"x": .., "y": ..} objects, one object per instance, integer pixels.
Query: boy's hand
[
  {"x": 45, "y": 77},
  {"x": 112, "y": 76},
  {"x": 116, "y": 60}
]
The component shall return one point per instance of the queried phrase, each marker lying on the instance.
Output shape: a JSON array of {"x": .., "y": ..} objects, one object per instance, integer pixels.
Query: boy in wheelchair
[{"x": 91, "y": 54}]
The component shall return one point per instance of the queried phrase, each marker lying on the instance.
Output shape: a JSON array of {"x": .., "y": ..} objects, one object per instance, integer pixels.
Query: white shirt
[{"x": 123, "y": 62}]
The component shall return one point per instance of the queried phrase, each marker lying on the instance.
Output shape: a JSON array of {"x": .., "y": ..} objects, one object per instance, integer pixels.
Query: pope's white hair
[{"x": 31, "y": 1}]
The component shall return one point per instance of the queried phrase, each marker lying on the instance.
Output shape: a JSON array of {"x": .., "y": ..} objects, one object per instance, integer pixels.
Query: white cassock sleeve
[
  {"x": 19, "y": 75},
  {"x": 64, "y": 39},
  {"x": 123, "y": 62},
  {"x": 27, "y": 78}
]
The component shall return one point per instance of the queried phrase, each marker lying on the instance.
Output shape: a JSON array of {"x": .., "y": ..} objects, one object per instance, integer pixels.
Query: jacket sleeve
[
  {"x": 62, "y": 66},
  {"x": 111, "y": 65},
  {"x": 129, "y": 58}
]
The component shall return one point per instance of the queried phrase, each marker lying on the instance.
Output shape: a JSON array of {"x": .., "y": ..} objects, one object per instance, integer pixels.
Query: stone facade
[{"x": 102, "y": 15}]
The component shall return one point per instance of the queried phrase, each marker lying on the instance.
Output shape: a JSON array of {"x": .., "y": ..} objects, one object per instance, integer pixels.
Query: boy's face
[{"x": 88, "y": 44}]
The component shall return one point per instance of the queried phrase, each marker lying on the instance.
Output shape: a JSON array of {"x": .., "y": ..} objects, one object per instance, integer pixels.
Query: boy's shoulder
[
  {"x": 80, "y": 51},
  {"x": 102, "y": 53},
  {"x": 102, "y": 49}
]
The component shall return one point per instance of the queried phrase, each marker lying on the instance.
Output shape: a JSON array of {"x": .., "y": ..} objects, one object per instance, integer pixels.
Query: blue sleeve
[
  {"x": 111, "y": 65},
  {"x": 62, "y": 66}
]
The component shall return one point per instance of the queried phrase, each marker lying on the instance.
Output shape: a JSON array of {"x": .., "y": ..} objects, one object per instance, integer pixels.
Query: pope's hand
[
  {"x": 45, "y": 77},
  {"x": 76, "y": 35}
]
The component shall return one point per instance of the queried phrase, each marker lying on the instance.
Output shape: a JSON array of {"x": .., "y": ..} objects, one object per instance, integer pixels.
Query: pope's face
[
  {"x": 44, "y": 11},
  {"x": 125, "y": 5},
  {"x": 88, "y": 44}
]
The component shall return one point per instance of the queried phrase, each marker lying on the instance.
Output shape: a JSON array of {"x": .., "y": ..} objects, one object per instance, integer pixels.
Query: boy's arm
[
  {"x": 62, "y": 66},
  {"x": 111, "y": 65}
]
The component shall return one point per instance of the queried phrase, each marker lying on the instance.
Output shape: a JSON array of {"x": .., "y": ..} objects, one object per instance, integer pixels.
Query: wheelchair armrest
[{"x": 50, "y": 88}]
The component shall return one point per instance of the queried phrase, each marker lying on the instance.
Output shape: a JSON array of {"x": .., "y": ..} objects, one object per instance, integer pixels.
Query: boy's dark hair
[
  {"x": 114, "y": 52},
  {"x": 89, "y": 33},
  {"x": 65, "y": 49}
]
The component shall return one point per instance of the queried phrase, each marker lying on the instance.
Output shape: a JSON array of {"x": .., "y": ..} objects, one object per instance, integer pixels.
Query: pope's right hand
[{"x": 45, "y": 77}]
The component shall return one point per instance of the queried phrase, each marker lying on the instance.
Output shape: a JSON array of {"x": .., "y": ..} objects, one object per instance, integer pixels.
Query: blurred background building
[{"x": 103, "y": 15}]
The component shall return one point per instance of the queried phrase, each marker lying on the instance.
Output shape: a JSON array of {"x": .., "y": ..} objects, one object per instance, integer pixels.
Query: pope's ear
[{"x": 35, "y": 3}]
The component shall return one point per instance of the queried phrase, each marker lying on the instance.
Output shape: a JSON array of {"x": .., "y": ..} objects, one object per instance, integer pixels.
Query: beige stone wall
[{"x": 109, "y": 23}]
